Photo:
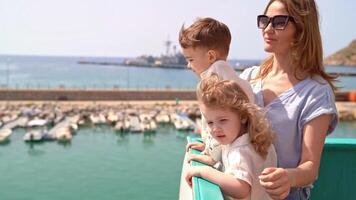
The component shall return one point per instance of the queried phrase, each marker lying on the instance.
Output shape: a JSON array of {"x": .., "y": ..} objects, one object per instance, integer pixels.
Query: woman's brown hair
[{"x": 307, "y": 50}]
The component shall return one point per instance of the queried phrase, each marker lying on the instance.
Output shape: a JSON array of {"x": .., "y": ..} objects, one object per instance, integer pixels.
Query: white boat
[
  {"x": 148, "y": 126},
  {"x": 63, "y": 134},
  {"x": 147, "y": 123},
  {"x": 96, "y": 118},
  {"x": 135, "y": 125},
  {"x": 153, "y": 125},
  {"x": 19, "y": 122},
  {"x": 182, "y": 122},
  {"x": 119, "y": 126},
  {"x": 73, "y": 122},
  {"x": 33, "y": 135},
  {"x": 9, "y": 118},
  {"x": 126, "y": 122},
  {"x": 5, "y": 134},
  {"x": 162, "y": 118},
  {"x": 37, "y": 122},
  {"x": 112, "y": 117},
  {"x": 23, "y": 121}
]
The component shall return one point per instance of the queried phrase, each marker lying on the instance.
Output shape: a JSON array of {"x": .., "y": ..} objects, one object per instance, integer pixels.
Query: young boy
[{"x": 205, "y": 45}]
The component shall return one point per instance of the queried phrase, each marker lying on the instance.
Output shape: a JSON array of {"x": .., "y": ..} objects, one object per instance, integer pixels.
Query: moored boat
[{"x": 5, "y": 134}]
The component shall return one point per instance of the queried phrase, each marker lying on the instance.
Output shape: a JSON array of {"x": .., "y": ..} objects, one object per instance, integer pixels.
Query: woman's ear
[{"x": 212, "y": 56}]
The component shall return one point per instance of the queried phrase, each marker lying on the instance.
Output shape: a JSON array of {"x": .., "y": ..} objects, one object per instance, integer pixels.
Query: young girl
[{"x": 244, "y": 134}]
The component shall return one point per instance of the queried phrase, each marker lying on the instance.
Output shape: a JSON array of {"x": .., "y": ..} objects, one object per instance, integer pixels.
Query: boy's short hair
[{"x": 208, "y": 33}]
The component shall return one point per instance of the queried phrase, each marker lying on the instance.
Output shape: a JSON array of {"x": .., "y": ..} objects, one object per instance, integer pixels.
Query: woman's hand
[
  {"x": 276, "y": 181},
  {"x": 195, "y": 145},
  {"x": 201, "y": 158}
]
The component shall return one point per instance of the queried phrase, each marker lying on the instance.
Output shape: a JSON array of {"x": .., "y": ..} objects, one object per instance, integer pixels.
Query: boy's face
[
  {"x": 198, "y": 59},
  {"x": 224, "y": 124}
]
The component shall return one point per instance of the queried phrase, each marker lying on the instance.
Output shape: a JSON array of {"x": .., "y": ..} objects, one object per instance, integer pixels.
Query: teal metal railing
[
  {"x": 337, "y": 175},
  {"x": 203, "y": 189}
]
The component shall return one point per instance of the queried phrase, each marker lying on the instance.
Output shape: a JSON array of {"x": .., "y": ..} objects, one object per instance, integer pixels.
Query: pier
[{"x": 116, "y": 95}]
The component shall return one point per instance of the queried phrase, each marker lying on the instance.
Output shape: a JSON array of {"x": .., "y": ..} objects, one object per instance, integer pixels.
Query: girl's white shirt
[{"x": 242, "y": 161}]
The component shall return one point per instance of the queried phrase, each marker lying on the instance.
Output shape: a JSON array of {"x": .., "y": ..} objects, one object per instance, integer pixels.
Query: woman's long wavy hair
[
  {"x": 307, "y": 50},
  {"x": 227, "y": 94}
]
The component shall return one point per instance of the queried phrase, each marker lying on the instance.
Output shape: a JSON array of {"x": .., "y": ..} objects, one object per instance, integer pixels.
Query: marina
[
  {"x": 92, "y": 146},
  {"x": 47, "y": 121},
  {"x": 98, "y": 163}
]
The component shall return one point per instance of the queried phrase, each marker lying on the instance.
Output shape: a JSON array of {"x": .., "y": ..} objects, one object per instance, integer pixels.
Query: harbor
[
  {"x": 103, "y": 131},
  {"x": 47, "y": 121},
  {"x": 53, "y": 120}
]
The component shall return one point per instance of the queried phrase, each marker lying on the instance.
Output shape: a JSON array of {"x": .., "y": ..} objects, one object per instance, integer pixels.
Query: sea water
[
  {"x": 66, "y": 72},
  {"x": 99, "y": 163}
]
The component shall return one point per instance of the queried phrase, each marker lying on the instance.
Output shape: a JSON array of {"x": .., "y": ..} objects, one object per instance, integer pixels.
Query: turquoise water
[
  {"x": 344, "y": 129},
  {"x": 97, "y": 164},
  {"x": 53, "y": 72}
]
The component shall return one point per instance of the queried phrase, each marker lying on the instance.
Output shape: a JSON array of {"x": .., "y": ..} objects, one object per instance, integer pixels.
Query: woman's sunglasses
[{"x": 279, "y": 22}]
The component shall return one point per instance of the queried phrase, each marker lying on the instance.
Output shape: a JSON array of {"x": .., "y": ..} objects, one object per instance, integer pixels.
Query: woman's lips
[{"x": 269, "y": 40}]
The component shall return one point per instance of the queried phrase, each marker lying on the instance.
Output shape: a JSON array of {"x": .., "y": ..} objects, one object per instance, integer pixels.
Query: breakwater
[
  {"x": 114, "y": 94},
  {"x": 94, "y": 95}
]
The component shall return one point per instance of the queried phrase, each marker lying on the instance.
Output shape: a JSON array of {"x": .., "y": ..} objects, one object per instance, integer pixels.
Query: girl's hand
[
  {"x": 195, "y": 145},
  {"x": 195, "y": 171},
  {"x": 201, "y": 158},
  {"x": 276, "y": 181}
]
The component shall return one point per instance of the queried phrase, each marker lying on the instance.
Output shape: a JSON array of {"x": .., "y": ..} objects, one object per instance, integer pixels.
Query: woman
[{"x": 297, "y": 94}]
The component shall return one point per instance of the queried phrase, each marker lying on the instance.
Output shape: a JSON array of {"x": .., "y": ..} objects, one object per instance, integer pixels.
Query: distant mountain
[{"x": 345, "y": 56}]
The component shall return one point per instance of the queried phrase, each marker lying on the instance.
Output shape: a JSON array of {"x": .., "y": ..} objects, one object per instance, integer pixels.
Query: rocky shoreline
[{"x": 345, "y": 56}]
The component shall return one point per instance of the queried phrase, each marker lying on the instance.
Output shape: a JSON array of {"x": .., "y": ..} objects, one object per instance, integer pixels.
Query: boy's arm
[{"x": 230, "y": 185}]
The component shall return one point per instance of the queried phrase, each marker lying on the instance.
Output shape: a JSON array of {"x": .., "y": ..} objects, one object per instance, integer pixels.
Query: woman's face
[{"x": 278, "y": 41}]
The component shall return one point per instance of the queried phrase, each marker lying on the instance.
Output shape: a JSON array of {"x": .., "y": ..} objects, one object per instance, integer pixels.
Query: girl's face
[
  {"x": 278, "y": 41},
  {"x": 224, "y": 124}
]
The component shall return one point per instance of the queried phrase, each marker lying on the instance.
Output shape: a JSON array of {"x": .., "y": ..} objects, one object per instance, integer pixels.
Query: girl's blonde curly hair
[{"x": 227, "y": 94}]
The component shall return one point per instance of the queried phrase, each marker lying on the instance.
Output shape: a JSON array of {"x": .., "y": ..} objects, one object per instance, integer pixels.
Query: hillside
[{"x": 345, "y": 56}]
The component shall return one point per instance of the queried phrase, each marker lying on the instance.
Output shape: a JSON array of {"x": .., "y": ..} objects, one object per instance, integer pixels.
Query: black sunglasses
[{"x": 279, "y": 22}]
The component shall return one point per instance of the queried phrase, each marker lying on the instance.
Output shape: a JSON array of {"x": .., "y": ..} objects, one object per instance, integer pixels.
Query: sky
[{"x": 129, "y": 28}]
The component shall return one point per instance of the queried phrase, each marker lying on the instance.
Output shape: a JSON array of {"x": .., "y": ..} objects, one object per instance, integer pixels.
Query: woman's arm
[
  {"x": 278, "y": 181},
  {"x": 229, "y": 185}
]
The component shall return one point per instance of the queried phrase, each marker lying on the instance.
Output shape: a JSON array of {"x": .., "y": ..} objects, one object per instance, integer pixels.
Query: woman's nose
[{"x": 269, "y": 28}]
